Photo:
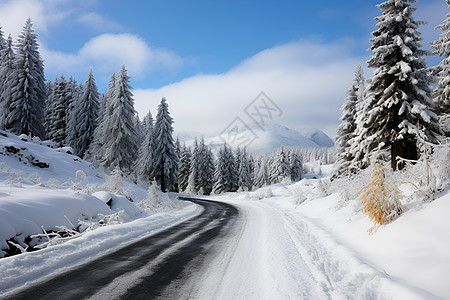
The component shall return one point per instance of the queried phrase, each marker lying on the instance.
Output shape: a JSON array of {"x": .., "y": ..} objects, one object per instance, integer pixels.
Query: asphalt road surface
[{"x": 150, "y": 268}]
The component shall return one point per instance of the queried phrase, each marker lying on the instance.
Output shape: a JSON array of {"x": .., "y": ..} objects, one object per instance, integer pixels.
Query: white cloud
[
  {"x": 106, "y": 53},
  {"x": 307, "y": 81},
  {"x": 98, "y": 22}
]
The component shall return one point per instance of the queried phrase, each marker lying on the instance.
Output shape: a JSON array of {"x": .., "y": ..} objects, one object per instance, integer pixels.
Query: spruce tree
[
  {"x": 72, "y": 95},
  {"x": 105, "y": 116},
  {"x": 28, "y": 91},
  {"x": 56, "y": 110},
  {"x": 193, "y": 185},
  {"x": 225, "y": 175},
  {"x": 165, "y": 160},
  {"x": 219, "y": 173},
  {"x": 184, "y": 168},
  {"x": 347, "y": 130},
  {"x": 441, "y": 94},
  {"x": 85, "y": 116},
  {"x": 2, "y": 41},
  {"x": 245, "y": 181},
  {"x": 296, "y": 166},
  {"x": 260, "y": 175},
  {"x": 7, "y": 59},
  {"x": 118, "y": 146},
  {"x": 205, "y": 168},
  {"x": 398, "y": 101},
  {"x": 278, "y": 169},
  {"x": 144, "y": 162}
]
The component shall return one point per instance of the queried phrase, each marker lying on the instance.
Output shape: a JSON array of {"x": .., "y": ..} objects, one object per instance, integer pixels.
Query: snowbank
[{"x": 413, "y": 249}]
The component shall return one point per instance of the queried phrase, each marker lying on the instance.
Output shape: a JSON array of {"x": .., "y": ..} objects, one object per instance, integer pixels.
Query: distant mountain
[{"x": 268, "y": 139}]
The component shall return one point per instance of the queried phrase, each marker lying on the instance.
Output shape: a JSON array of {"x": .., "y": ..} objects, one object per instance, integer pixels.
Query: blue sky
[{"x": 211, "y": 58}]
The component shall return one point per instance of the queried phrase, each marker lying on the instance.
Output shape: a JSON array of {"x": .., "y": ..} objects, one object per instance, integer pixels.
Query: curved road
[{"x": 146, "y": 269}]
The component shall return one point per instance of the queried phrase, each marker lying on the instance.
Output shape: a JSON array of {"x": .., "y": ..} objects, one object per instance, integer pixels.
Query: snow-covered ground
[
  {"x": 295, "y": 242},
  {"x": 45, "y": 190},
  {"x": 321, "y": 248}
]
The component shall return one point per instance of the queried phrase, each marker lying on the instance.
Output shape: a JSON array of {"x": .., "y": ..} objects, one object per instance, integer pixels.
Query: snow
[
  {"x": 21, "y": 269},
  {"x": 407, "y": 259},
  {"x": 68, "y": 193},
  {"x": 292, "y": 242}
]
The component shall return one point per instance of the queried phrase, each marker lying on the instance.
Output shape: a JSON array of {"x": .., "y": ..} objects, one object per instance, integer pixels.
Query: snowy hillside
[
  {"x": 50, "y": 190},
  {"x": 269, "y": 138}
]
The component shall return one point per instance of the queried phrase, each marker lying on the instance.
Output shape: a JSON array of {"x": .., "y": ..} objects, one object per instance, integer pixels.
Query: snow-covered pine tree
[
  {"x": 347, "y": 130},
  {"x": 144, "y": 162},
  {"x": 72, "y": 95},
  {"x": 398, "y": 101},
  {"x": 140, "y": 134},
  {"x": 441, "y": 94},
  {"x": 278, "y": 169},
  {"x": 2, "y": 41},
  {"x": 245, "y": 178},
  {"x": 118, "y": 146},
  {"x": 184, "y": 168},
  {"x": 49, "y": 105},
  {"x": 296, "y": 166},
  {"x": 57, "y": 106},
  {"x": 193, "y": 185},
  {"x": 7, "y": 59},
  {"x": 233, "y": 171},
  {"x": 205, "y": 168},
  {"x": 147, "y": 122},
  {"x": 28, "y": 90},
  {"x": 105, "y": 111},
  {"x": 165, "y": 160},
  {"x": 225, "y": 175},
  {"x": 86, "y": 116},
  {"x": 260, "y": 175}
]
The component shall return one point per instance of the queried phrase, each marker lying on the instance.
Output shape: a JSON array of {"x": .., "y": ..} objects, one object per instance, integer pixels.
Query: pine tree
[
  {"x": 184, "y": 168},
  {"x": 347, "y": 130},
  {"x": 56, "y": 118},
  {"x": 2, "y": 42},
  {"x": 193, "y": 185},
  {"x": 296, "y": 166},
  {"x": 118, "y": 146},
  {"x": 85, "y": 116},
  {"x": 398, "y": 101},
  {"x": 205, "y": 168},
  {"x": 49, "y": 106},
  {"x": 260, "y": 175},
  {"x": 7, "y": 59},
  {"x": 105, "y": 116},
  {"x": 441, "y": 93},
  {"x": 144, "y": 162},
  {"x": 278, "y": 169},
  {"x": 225, "y": 175},
  {"x": 165, "y": 160},
  {"x": 220, "y": 176},
  {"x": 72, "y": 95},
  {"x": 245, "y": 181},
  {"x": 28, "y": 91}
]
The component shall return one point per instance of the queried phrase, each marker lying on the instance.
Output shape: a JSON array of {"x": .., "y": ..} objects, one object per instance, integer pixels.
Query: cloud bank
[{"x": 306, "y": 80}]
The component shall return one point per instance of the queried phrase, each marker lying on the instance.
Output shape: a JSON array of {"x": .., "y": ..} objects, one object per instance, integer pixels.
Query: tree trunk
[{"x": 405, "y": 149}]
